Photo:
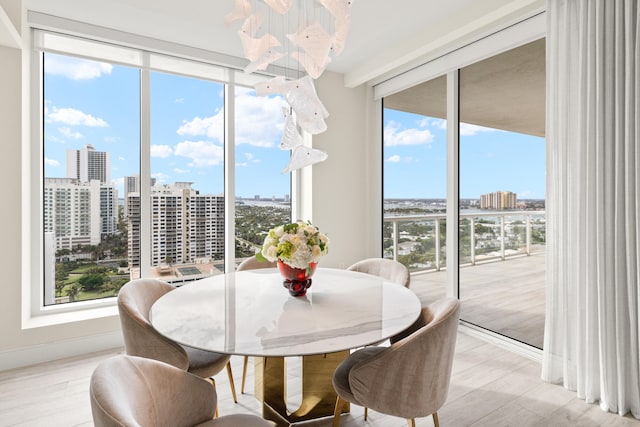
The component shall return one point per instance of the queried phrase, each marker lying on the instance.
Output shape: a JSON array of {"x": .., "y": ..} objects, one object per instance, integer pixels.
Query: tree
[
  {"x": 91, "y": 281},
  {"x": 73, "y": 291}
]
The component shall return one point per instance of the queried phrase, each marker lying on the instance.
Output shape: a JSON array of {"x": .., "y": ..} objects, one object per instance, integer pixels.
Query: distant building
[
  {"x": 499, "y": 200},
  {"x": 87, "y": 164},
  {"x": 79, "y": 213},
  {"x": 186, "y": 226},
  {"x": 132, "y": 185}
]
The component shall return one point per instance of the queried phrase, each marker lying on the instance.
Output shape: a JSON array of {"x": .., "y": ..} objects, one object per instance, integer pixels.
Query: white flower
[{"x": 296, "y": 244}]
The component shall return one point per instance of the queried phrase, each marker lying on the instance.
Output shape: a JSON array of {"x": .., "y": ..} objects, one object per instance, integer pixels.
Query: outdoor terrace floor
[{"x": 507, "y": 297}]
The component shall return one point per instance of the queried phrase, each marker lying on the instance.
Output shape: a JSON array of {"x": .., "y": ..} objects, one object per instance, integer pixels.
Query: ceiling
[
  {"x": 505, "y": 91},
  {"x": 385, "y": 36}
]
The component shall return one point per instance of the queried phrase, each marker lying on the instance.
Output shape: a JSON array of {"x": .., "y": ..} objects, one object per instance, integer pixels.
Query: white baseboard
[
  {"x": 47, "y": 352},
  {"x": 506, "y": 343}
]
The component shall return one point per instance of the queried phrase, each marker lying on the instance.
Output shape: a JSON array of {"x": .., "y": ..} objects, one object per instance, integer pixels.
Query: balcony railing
[{"x": 502, "y": 232}]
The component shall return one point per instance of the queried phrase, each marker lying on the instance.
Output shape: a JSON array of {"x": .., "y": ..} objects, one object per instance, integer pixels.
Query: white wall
[{"x": 345, "y": 204}]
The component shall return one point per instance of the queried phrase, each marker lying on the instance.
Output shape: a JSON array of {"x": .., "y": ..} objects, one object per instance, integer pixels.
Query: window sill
[{"x": 71, "y": 315}]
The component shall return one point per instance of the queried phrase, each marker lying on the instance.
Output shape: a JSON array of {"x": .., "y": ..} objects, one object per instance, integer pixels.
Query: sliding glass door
[{"x": 502, "y": 193}]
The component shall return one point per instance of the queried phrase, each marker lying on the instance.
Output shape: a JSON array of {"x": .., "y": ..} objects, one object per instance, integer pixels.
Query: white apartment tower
[
  {"x": 185, "y": 225},
  {"x": 79, "y": 213},
  {"x": 87, "y": 164}
]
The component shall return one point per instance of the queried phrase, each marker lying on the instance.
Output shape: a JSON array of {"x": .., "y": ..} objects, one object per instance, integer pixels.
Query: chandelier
[{"x": 307, "y": 33}]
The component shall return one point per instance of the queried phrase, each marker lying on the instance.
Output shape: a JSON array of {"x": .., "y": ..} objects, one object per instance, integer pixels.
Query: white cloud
[
  {"x": 68, "y": 133},
  {"x": 73, "y": 117},
  {"x": 121, "y": 158},
  {"x": 242, "y": 165},
  {"x": 178, "y": 170},
  {"x": 394, "y": 159},
  {"x": 394, "y": 135},
  {"x": 111, "y": 139},
  {"x": 469, "y": 130},
  {"x": 51, "y": 162},
  {"x": 259, "y": 118},
  {"x": 211, "y": 127},
  {"x": 248, "y": 156},
  {"x": 466, "y": 129},
  {"x": 75, "y": 68},
  {"x": 162, "y": 151},
  {"x": 201, "y": 153}
]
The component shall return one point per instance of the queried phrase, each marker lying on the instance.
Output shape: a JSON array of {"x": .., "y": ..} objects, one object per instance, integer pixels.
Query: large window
[
  {"x": 263, "y": 198},
  {"x": 134, "y": 168},
  {"x": 91, "y": 147},
  {"x": 495, "y": 158},
  {"x": 502, "y": 193}
]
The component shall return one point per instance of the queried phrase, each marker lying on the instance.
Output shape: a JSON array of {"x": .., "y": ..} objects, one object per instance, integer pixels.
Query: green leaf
[{"x": 260, "y": 257}]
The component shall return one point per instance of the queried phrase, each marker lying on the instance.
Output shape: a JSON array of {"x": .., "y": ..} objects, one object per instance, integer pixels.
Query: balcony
[{"x": 502, "y": 279}]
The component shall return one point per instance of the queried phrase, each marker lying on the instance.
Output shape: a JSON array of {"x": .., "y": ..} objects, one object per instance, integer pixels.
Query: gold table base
[{"x": 318, "y": 395}]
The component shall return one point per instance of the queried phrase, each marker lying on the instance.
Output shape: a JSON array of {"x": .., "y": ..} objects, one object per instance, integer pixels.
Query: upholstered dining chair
[
  {"x": 410, "y": 378},
  {"x": 251, "y": 263},
  {"x": 141, "y": 339},
  {"x": 135, "y": 391},
  {"x": 388, "y": 269}
]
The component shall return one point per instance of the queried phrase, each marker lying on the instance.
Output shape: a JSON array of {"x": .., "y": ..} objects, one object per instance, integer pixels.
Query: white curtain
[{"x": 593, "y": 184}]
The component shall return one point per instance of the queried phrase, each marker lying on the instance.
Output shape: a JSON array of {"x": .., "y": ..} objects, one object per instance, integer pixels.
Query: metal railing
[{"x": 475, "y": 218}]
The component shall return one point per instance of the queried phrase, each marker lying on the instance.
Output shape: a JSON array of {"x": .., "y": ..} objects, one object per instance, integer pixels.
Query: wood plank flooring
[{"x": 489, "y": 387}]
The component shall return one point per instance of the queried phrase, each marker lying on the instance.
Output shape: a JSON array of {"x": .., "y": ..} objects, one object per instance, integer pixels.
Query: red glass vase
[{"x": 297, "y": 280}]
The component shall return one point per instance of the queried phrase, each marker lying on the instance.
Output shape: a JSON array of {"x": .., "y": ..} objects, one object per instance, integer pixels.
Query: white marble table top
[{"x": 251, "y": 313}]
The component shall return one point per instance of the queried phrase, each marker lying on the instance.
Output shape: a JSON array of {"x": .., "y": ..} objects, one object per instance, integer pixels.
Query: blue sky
[
  {"x": 490, "y": 159},
  {"x": 88, "y": 102}
]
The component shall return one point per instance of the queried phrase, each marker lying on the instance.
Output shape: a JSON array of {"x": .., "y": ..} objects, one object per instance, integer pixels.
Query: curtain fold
[{"x": 593, "y": 183}]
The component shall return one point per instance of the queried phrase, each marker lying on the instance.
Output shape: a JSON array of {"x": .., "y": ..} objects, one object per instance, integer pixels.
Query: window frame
[{"x": 146, "y": 55}]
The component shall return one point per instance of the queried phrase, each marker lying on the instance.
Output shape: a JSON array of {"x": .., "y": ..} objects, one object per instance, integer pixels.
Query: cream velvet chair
[
  {"x": 252, "y": 263},
  {"x": 141, "y": 339},
  {"x": 410, "y": 378},
  {"x": 388, "y": 269},
  {"x": 135, "y": 391}
]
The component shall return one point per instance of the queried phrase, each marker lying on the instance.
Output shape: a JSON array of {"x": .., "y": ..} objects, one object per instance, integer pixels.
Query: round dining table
[{"x": 251, "y": 313}]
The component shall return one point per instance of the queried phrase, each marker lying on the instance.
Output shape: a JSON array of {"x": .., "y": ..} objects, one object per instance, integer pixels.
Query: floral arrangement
[{"x": 296, "y": 244}]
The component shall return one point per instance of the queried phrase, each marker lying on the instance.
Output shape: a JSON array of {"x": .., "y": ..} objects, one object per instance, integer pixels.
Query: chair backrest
[
  {"x": 410, "y": 379},
  {"x": 134, "y": 391},
  {"x": 252, "y": 263},
  {"x": 386, "y": 268},
  {"x": 140, "y": 338}
]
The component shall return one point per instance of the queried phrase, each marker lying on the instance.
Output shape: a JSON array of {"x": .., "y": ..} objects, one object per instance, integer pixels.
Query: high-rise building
[
  {"x": 498, "y": 200},
  {"x": 79, "y": 213},
  {"x": 186, "y": 226},
  {"x": 87, "y": 164},
  {"x": 132, "y": 185}
]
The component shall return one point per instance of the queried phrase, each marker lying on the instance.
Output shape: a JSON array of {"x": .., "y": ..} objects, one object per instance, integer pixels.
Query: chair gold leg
[
  {"x": 231, "y": 383},
  {"x": 435, "y": 419},
  {"x": 412, "y": 422},
  {"x": 244, "y": 373},
  {"x": 336, "y": 413},
  {"x": 366, "y": 413},
  {"x": 213, "y": 384}
]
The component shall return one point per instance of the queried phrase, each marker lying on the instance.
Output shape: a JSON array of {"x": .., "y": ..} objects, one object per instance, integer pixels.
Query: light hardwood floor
[{"x": 489, "y": 387}]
